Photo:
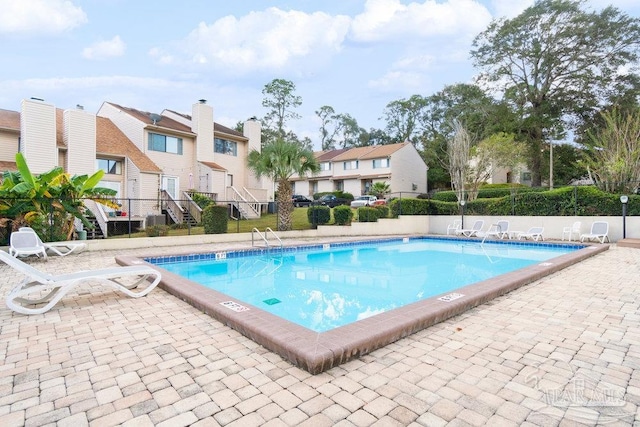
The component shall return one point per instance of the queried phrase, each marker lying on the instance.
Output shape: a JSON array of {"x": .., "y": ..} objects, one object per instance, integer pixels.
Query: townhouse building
[
  {"x": 152, "y": 161},
  {"x": 355, "y": 170}
]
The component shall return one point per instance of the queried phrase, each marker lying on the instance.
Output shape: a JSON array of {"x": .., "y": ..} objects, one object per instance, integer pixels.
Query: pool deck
[{"x": 563, "y": 350}]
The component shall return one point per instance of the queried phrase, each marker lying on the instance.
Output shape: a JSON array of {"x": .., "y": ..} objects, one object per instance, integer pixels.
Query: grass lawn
[{"x": 300, "y": 222}]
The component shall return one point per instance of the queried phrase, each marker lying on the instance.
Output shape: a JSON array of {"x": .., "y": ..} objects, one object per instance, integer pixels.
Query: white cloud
[
  {"x": 390, "y": 19},
  {"x": 105, "y": 49},
  {"x": 161, "y": 56},
  {"x": 269, "y": 39},
  {"x": 399, "y": 80},
  {"x": 39, "y": 16},
  {"x": 419, "y": 62}
]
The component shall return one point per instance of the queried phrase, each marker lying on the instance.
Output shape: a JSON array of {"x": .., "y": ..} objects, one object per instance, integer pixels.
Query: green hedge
[
  {"x": 383, "y": 211},
  {"x": 214, "y": 219},
  {"x": 368, "y": 214},
  {"x": 342, "y": 215},
  {"x": 489, "y": 192},
  {"x": 319, "y": 215},
  {"x": 566, "y": 201}
]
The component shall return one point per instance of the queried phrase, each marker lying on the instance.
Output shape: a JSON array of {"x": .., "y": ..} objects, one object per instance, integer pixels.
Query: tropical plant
[
  {"x": 51, "y": 201},
  {"x": 380, "y": 189},
  {"x": 279, "y": 161},
  {"x": 614, "y": 153}
]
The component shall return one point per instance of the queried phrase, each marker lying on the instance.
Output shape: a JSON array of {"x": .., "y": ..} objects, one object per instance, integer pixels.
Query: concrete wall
[
  {"x": 405, "y": 225},
  {"x": 553, "y": 225}
]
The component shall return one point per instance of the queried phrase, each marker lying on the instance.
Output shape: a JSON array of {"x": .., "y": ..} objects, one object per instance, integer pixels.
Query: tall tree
[
  {"x": 350, "y": 133},
  {"x": 280, "y": 160},
  {"x": 553, "y": 60},
  {"x": 403, "y": 118},
  {"x": 329, "y": 127},
  {"x": 280, "y": 98},
  {"x": 466, "y": 104}
]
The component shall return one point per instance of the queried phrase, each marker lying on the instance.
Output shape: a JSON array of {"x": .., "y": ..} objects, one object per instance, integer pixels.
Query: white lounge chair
[
  {"x": 570, "y": 231},
  {"x": 473, "y": 231},
  {"x": 453, "y": 228},
  {"x": 25, "y": 243},
  {"x": 40, "y": 288},
  {"x": 499, "y": 230},
  {"x": 599, "y": 232},
  {"x": 58, "y": 248},
  {"x": 534, "y": 233}
]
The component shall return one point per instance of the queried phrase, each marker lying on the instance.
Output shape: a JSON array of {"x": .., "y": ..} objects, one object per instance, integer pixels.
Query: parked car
[
  {"x": 332, "y": 201},
  {"x": 299, "y": 200},
  {"x": 364, "y": 201}
]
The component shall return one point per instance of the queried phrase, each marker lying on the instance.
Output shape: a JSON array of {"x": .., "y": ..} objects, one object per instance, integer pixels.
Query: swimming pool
[
  {"x": 317, "y": 351},
  {"x": 322, "y": 288}
]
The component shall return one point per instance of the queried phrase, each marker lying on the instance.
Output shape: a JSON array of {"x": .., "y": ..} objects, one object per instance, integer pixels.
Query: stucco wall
[{"x": 405, "y": 225}]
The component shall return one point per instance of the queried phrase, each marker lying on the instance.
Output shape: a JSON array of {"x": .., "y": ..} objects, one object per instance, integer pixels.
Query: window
[
  {"x": 380, "y": 163},
  {"x": 353, "y": 164},
  {"x": 526, "y": 176},
  {"x": 111, "y": 166},
  {"x": 224, "y": 146},
  {"x": 167, "y": 144},
  {"x": 338, "y": 185},
  {"x": 325, "y": 166}
]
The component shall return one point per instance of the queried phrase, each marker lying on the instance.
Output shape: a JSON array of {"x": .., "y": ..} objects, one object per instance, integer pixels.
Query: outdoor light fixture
[
  {"x": 462, "y": 203},
  {"x": 624, "y": 200}
]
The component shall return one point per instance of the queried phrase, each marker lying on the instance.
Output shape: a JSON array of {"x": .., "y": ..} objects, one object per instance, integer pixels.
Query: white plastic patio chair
[
  {"x": 599, "y": 232},
  {"x": 453, "y": 228},
  {"x": 499, "y": 230},
  {"x": 473, "y": 231},
  {"x": 534, "y": 233},
  {"x": 573, "y": 229},
  {"x": 40, "y": 288},
  {"x": 58, "y": 248},
  {"x": 25, "y": 243}
]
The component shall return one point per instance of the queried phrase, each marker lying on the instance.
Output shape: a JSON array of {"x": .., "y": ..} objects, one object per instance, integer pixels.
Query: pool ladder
[{"x": 264, "y": 236}]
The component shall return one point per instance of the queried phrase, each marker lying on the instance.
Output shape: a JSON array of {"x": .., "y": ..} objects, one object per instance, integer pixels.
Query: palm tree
[
  {"x": 380, "y": 189},
  {"x": 280, "y": 160}
]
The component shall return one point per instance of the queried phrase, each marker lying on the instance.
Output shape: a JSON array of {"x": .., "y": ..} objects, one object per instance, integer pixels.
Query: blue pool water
[{"x": 324, "y": 287}]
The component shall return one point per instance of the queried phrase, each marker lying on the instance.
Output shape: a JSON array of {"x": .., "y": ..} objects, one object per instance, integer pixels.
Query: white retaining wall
[{"x": 405, "y": 225}]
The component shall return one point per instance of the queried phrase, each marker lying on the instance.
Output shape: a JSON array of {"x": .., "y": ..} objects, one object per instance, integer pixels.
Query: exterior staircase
[{"x": 96, "y": 231}]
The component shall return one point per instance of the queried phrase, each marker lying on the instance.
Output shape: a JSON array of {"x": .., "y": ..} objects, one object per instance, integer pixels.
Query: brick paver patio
[{"x": 562, "y": 351}]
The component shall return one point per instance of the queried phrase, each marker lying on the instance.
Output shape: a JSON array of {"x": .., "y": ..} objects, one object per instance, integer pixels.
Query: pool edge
[{"x": 317, "y": 352}]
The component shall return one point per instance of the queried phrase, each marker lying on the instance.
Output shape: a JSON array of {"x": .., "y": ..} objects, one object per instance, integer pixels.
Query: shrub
[
  {"x": 201, "y": 200},
  {"x": 156, "y": 230},
  {"x": 214, "y": 219},
  {"x": 565, "y": 201},
  {"x": 368, "y": 214},
  {"x": 342, "y": 215},
  {"x": 383, "y": 211},
  {"x": 319, "y": 215}
]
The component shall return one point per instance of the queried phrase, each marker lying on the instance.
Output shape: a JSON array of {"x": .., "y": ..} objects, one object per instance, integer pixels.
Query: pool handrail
[{"x": 264, "y": 236}]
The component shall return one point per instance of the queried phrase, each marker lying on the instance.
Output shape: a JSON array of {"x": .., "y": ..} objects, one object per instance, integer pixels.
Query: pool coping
[{"x": 318, "y": 351}]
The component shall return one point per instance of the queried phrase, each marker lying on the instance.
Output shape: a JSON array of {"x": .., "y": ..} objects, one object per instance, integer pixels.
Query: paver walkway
[{"x": 562, "y": 351}]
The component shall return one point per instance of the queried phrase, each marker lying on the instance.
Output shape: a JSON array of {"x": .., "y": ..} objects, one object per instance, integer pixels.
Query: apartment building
[
  {"x": 355, "y": 170},
  {"x": 151, "y": 160}
]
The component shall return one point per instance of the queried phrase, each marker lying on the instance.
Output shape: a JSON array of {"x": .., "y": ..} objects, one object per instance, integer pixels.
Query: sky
[{"x": 353, "y": 55}]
